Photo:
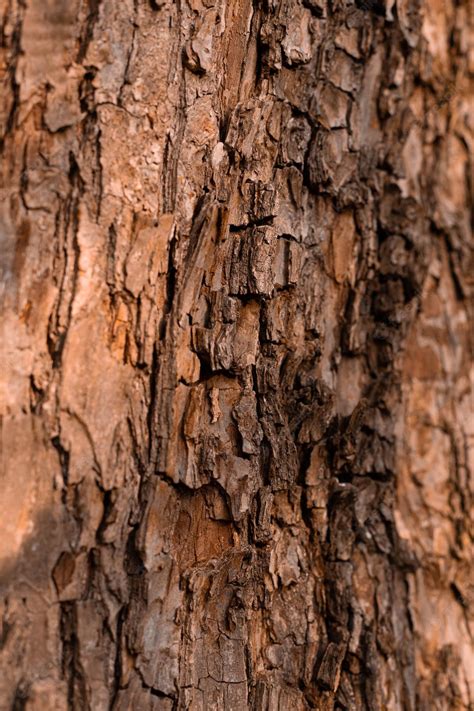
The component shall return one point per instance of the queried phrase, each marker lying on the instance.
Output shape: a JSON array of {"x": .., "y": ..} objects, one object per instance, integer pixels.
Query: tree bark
[{"x": 237, "y": 286}]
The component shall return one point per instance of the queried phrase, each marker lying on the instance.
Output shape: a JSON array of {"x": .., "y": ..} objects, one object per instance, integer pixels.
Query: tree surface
[{"x": 237, "y": 335}]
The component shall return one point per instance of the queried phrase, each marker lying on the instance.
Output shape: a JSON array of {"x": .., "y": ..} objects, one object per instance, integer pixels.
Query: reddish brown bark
[{"x": 237, "y": 424}]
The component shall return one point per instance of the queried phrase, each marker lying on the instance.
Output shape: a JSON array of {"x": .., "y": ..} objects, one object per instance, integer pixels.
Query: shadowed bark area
[{"x": 237, "y": 421}]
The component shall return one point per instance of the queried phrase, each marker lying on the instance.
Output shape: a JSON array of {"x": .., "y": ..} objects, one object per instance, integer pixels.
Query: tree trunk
[{"x": 237, "y": 424}]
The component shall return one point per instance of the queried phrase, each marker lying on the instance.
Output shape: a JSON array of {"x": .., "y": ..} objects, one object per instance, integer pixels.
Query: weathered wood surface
[{"x": 237, "y": 421}]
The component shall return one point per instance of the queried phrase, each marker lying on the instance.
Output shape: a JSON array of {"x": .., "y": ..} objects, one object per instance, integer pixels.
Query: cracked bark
[{"x": 237, "y": 289}]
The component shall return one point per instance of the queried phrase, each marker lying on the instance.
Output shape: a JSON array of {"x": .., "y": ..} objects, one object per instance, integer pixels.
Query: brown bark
[{"x": 237, "y": 424}]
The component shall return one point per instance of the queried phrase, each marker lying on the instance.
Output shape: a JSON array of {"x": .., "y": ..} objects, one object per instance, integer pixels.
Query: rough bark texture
[{"x": 237, "y": 297}]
